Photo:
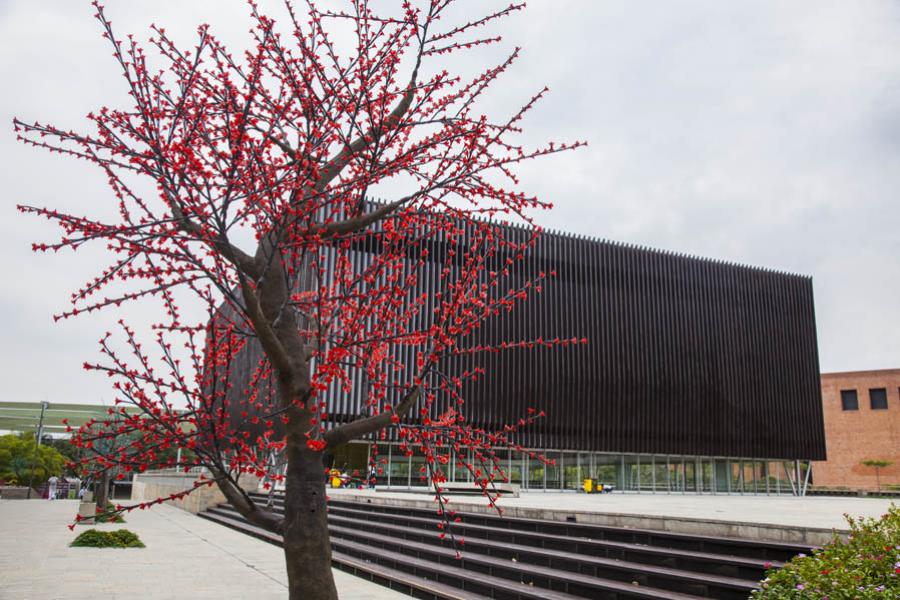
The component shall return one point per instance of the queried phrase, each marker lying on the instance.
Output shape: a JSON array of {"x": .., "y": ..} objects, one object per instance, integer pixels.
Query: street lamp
[{"x": 37, "y": 442}]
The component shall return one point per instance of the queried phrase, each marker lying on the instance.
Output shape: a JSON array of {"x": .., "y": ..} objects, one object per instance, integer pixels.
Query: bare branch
[
  {"x": 336, "y": 164},
  {"x": 229, "y": 251},
  {"x": 359, "y": 428},
  {"x": 242, "y": 502},
  {"x": 267, "y": 337}
]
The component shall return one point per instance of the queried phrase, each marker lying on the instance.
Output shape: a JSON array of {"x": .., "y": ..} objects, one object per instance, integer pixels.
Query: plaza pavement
[
  {"x": 810, "y": 511},
  {"x": 189, "y": 557},
  {"x": 186, "y": 557}
]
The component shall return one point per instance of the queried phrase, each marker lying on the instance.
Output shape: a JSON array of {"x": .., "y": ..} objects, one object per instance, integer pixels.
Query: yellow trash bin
[
  {"x": 335, "y": 478},
  {"x": 589, "y": 486}
]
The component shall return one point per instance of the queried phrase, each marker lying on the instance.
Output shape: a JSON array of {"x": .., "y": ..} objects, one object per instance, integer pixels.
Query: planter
[{"x": 87, "y": 510}]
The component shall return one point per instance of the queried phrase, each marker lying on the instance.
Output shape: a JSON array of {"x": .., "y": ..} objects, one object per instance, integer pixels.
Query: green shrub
[
  {"x": 120, "y": 538},
  {"x": 116, "y": 518},
  {"x": 866, "y": 566}
]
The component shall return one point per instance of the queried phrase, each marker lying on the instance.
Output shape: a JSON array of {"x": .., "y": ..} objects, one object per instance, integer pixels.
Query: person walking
[{"x": 51, "y": 487}]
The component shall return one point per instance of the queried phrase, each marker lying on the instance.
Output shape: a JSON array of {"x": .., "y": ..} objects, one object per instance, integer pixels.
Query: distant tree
[
  {"x": 91, "y": 460},
  {"x": 877, "y": 465},
  {"x": 19, "y": 452},
  {"x": 70, "y": 452}
]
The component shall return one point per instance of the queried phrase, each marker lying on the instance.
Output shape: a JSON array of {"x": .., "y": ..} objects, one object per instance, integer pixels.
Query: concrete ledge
[
  {"x": 507, "y": 490},
  {"x": 15, "y": 492},
  {"x": 153, "y": 485},
  {"x": 803, "y": 536}
]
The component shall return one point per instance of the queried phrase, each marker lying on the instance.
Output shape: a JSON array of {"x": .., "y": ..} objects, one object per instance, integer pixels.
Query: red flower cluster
[{"x": 316, "y": 445}]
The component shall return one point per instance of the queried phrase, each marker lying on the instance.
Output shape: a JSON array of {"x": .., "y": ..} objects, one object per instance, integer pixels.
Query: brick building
[{"x": 862, "y": 422}]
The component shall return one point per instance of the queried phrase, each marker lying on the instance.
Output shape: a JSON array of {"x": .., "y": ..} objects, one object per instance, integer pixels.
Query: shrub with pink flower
[{"x": 865, "y": 566}]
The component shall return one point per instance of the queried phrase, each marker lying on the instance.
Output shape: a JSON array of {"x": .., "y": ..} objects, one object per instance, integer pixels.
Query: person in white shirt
[{"x": 51, "y": 490}]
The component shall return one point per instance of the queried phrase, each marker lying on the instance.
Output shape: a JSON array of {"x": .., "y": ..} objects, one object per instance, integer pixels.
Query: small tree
[
  {"x": 19, "y": 454},
  {"x": 279, "y": 150},
  {"x": 877, "y": 465}
]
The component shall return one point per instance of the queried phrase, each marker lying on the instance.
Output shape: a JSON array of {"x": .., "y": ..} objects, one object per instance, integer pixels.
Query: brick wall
[{"x": 852, "y": 436}]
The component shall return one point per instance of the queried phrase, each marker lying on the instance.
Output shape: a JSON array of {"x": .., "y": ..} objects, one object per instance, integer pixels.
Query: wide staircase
[{"x": 528, "y": 559}]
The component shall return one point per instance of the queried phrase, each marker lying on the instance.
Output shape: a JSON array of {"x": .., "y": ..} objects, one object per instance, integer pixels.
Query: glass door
[{"x": 535, "y": 474}]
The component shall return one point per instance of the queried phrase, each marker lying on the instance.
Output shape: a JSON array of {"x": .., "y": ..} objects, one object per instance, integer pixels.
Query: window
[
  {"x": 849, "y": 401},
  {"x": 878, "y": 399}
]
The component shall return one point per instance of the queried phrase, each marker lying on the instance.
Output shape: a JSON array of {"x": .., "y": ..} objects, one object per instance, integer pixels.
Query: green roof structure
[{"x": 25, "y": 416}]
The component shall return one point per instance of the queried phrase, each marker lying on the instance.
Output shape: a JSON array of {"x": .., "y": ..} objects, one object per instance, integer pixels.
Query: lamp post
[{"x": 37, "y": 443}]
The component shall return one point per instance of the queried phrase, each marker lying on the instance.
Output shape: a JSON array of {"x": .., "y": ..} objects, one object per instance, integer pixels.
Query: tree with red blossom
[{"x": 246, "y": 182}]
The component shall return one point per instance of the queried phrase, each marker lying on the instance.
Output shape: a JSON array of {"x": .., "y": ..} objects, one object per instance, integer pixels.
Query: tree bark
[
  {"x": 307, "y": 546},
  {"x": 102, "y": 498}
]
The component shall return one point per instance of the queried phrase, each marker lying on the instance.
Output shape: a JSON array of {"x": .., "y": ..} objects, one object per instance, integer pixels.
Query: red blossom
[{"x": 316, "y": 445}]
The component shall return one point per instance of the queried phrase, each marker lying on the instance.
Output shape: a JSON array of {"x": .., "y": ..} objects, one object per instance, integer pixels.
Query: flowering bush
[{"x": 867, "y": 565}]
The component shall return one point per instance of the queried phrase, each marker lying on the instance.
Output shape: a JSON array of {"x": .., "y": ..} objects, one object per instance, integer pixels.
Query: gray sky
[{"x": 761, "y": 132}]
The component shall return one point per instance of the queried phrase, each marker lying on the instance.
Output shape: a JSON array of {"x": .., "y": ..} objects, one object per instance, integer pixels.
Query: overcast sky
[{"x": 760, "y": 132}]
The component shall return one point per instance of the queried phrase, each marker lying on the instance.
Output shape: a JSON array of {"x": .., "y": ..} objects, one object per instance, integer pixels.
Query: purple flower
[{"x": 800, "y": 586}]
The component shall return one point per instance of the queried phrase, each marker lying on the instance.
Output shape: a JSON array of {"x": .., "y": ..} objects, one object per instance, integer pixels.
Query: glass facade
[{"x": 632, "y": 473}]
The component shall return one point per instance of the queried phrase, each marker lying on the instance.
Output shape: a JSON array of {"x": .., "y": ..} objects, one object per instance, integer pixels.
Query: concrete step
[
  {"x": 761, "y": 551},
  {"x": 716, "y": 564},
  {"x": 585, "y": 576},
  {"x": 565, "y": 572},
  {"x": 404, "y": 581},
  {"x": 493, "y": 577},
  {"x": 706, "y": 581}
]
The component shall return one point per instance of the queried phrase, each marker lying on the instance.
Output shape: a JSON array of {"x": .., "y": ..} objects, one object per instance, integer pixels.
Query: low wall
[
  {"x": 805, "y": 536},
  {"x": 14, "y": 492},
  {"x": 152, "y": 485}
]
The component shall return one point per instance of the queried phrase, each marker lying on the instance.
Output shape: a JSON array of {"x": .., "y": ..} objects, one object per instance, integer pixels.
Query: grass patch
[{"x": 120, "y": 538}]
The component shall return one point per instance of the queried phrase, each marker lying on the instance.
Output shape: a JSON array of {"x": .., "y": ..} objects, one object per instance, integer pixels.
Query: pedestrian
[
  {"x": 51, "y": 487},
  {"x": 373, "y": 475}
]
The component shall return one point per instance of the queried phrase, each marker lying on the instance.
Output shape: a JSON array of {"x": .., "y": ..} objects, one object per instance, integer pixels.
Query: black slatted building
[
  {"x": 684, "y": 356},
  {"x": 699, "y": 373}
]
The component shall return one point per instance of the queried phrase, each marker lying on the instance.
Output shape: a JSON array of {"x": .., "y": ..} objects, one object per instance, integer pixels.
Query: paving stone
[{"x": 185, "y": 557}]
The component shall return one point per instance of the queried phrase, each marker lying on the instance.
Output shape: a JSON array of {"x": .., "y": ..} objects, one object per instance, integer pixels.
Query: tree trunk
[
  {"x": 307, "y": 547},
  {"x": 102, "y": 498}
]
